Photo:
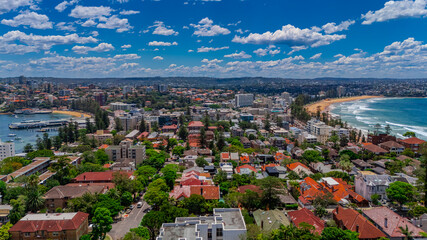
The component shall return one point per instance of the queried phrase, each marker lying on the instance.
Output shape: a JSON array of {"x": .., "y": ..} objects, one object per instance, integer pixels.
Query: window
[
  {"x": 27, "y": 234},
  {"x": 219, "y": 232},
  {"x": 209, "y": 234},
  {"x": 55, "y": 234}
]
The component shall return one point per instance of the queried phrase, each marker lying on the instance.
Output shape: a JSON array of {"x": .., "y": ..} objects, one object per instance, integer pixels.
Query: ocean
[
  {"x": 402, "y": 114},
  {"x": 26, "y": 136}
]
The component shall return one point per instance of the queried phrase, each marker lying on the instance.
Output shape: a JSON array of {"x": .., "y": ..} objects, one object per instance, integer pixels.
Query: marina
[{"x": 38, "y": 124}]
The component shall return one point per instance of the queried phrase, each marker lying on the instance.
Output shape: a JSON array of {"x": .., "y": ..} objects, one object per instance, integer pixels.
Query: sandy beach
[
  {"x": 73, "y": 113},
  {"x": 324, "y": 104}
]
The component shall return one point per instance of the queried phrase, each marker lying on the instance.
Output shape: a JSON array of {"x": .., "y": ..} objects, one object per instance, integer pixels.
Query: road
[{"x": 132, "y": 221}]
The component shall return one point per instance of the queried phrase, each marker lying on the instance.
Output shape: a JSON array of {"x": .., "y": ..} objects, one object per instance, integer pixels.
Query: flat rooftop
[
  {"x": 231, "y": 217},
  {"x": 48, "y": 216}
]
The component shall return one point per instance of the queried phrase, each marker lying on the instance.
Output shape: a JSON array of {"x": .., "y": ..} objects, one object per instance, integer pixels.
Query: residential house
[
  {"x": 350, "y": 219},
  {"x": 412, "y": 143},
  {"x": 69, "y": 226},
  {"x": 368, "y": 183},
  {"x": 392, "y": 147},
  {"x": 209, "y": 192},
  {"x": 304, "y": 215},
  {"x": 299, "y": 169},
  {"x": 270, "y": 220},
  {"x": 58, "y": 196},
  {"x": 389, "y": 222},
  {"x": 246, "y": 169},
  {"x": 374, "y": 149}
]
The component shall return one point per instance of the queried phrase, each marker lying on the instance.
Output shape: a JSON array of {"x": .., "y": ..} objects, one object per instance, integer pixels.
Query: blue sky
[{"x": 217, "y": 38}]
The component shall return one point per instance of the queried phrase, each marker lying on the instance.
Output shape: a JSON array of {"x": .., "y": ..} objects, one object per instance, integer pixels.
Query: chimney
[
  {"x": 84, "y": 177},
  {"x": 385, "y": 222},
  {"x": 357, "y": 228},
  {"x": 201, "y": 191}
]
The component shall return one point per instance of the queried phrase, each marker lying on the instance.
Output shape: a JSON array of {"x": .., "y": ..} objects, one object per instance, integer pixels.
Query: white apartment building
[
  {"x": 7, "y": 149},
  {"x": 225, "y": 224},
  {"x": 244, "y": 100},
  {"x": 121, "y": 106}
]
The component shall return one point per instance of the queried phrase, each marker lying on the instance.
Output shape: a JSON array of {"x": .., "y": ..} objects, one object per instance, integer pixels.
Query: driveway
[{"x": 132, "y": 221}]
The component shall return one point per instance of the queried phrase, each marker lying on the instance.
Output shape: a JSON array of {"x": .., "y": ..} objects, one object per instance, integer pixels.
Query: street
[{"x": 132, "y": 221}]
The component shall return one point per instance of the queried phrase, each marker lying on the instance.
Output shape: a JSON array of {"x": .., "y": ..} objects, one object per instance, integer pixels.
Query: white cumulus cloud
[
  {"x": 159, "y": 58},
  {"x": 27, "y": 18},
  {"x": 102, "y": 47},
  {"x": 333, "y": 27},
  {"x": 161, "y": 29},
  {"x": 90, "y": 12},
  {"x": 395, "y": 10},
  {"x": 291, "y": 36},
  {"x": 163, "y": 44},
  {"x": 240, "y": 55},
  {"x": 211, "y": 49},
  {"x": 316, "y": 56},
  {"x": 206, "y": 28}
]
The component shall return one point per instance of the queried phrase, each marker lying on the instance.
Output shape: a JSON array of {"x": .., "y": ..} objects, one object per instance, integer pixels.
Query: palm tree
[
  {"x": 35, "y": 201},
  {"x": 405, "y": 231}
]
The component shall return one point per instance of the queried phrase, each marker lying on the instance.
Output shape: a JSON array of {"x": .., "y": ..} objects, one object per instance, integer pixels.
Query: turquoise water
[
  {"x": 402, "y": 114},
  {"x": 28, "y": 136}
]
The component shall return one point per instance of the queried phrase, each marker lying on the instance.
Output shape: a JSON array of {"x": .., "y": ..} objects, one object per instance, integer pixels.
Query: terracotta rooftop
[
  {"x": 305, "y": 215},
  {"x": 389, "y": 222},
  {"x": 354, "y": 221},
  {"x": 413, "y": 140},
  {"x": 98, "y": 176},
  {"x": 51, "y": 222},
  {"x": 72, "y": 191}
]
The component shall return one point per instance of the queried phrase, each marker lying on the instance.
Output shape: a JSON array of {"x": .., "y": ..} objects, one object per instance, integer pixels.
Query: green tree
[
  {"x": 334, "y": 233},
  {"x": 409, "y": 134},
  {"x": 183, "y": 132},
  {"x": 195, "y": 204},
  {"x": 153, "y": 220},
  {"x": 102, "y": 221},
  {"x": 101, "y": 157},
  {"x": 375, "y": 198},
  {"x": 28, "y": 148},
  {"x": 4, "y": 231},
  {"x": 401, "y": 192},
  {"x": 406, "y": 232},
  {"x": 271, "y": 187},
  {"x": 201, "y": 162},
  {"x": 408, "y": 152},
  {"x": 178, "y": 150},
  {"x": 126, "y": 199},
  {"x": 142, "y": 232},
  {"x": 312, "y": 156},
  {"x": 18, "y": 209}
]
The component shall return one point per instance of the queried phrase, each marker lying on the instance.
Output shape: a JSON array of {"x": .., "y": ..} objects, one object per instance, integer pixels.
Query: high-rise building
[
  {"x": 287, "y": 97},
  {"x": 7, "y": 149},
  {"x": 244, "y": 100},
  {"x": 127, "y": 89},
  {"x": 341, "y": 91}
]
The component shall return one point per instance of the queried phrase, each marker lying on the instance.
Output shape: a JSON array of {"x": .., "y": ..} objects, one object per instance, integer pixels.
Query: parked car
[{"x": 139, "y": 205}]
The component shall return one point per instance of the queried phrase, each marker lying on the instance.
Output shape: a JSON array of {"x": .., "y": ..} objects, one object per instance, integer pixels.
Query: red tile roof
[
  {"x": 196, "y": 124},
  {"x": 269, "y": 165},
  {"x": 254, "y": 188},
  {"x": 207, "y": 191},
  {"x": 43, "y": 223},
  {"x": 292, "y": 166},
  {"x": 245, "y": 166},
  {"x": 413, "y": 140},
  {"x": 97, "y": 176},
  {"x": 352, "y": 220},
  {"x": 305, "y": 215},
  {"x": 379, "y": 215}
]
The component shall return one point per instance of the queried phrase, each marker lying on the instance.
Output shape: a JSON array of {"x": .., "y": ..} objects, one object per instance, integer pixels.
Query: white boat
[{"x": 11, "y": 135}]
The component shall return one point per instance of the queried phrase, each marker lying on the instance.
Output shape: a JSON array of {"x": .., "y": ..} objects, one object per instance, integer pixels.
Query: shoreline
[
  {"x": 72, "y": 113},
  {"x": 324, "y": 105}
]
